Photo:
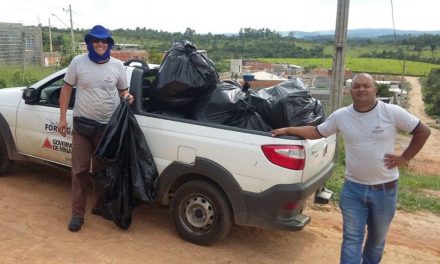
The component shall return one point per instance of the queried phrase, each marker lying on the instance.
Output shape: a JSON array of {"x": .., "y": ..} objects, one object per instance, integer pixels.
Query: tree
[
  {"x": 3, "y": 83},
  {"x": 189, "y": 32},
  {"x": 67, "y": 56},
  {"x": 433, "y": 47},
  {"x": 431, "y": 92},
  {"x": 383, "y": 90},
  {"x": 155, "y": 57}
]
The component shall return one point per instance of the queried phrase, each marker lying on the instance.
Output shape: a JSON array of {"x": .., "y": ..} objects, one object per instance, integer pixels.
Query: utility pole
[
  {"x": 71, "y": 28},
  {"x": 50, "y": 38},
  {"x": 338, "y": 69},
  {"x": 402, "y": 101}
]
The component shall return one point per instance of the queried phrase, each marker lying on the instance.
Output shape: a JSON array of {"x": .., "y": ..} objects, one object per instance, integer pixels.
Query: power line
[
  {"x": 403, "y": 52},
  {"x": 394, "y": 29},
  {"x": 59, "y": 19}
]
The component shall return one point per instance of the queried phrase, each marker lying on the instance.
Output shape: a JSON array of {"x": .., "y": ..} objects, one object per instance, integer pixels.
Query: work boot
[{"x": 75, "y": 224}]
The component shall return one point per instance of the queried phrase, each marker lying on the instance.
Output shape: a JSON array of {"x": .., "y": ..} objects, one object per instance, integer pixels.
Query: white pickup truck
[{"x": 211, "y": 176}]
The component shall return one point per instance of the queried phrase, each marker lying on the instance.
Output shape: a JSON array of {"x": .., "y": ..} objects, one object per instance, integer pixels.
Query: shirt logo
[{"x": 377, "y": 130}]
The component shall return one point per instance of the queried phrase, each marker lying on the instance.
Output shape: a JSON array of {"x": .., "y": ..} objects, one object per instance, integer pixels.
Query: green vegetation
[
  {"x": 416, "y": 192},
  {"x": 383, "y": 55},
  {"x": 15, "y": 76},
  {"x": 248, "y": 43},
  {"x": 431, "y": 92},
  {"x": 421, "y": 48},
  {"x": 383, "y": 90},
  {"x": 370, "y": 65}
]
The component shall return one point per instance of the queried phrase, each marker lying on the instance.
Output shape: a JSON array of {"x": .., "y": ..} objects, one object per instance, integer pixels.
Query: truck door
[{"x": 36, "y": 132}]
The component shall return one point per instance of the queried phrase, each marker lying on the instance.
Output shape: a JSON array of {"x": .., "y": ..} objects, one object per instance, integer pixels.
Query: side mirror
[{"x": 30, "y": 96}]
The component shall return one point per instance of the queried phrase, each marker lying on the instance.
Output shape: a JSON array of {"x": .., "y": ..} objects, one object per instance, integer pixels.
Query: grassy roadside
[
  {"x": 416, "y": 192},
  {"x": 12, "y": 76}
]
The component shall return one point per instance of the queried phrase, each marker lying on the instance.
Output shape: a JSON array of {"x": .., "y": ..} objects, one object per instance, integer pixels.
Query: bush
[
  {"x": 431, "y": 92},
  {"x": 3, "y": 83},
  {"x": 22, "y": 79},
  {"x": 383, "y": 90}
]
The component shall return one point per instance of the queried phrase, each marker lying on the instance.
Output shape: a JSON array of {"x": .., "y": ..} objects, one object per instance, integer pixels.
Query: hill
[{"x": 359, "y": 33}]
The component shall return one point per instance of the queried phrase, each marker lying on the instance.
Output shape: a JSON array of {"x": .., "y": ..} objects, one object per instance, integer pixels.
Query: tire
[
  {"x": 201, "y": 212},
  {"x": 5, "y": 162}
]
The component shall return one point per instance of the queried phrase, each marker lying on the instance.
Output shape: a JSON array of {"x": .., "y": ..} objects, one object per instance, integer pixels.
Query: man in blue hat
[{"x": 99, "y": 80}]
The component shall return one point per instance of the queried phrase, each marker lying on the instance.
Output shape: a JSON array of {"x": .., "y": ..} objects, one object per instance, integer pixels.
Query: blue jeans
[{"x": 362, "y": 206}]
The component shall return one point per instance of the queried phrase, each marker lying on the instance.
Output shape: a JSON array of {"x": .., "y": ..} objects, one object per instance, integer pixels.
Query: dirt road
[
  {"x": 427, "y": 160},
  {"x": 35, "y": 210}
]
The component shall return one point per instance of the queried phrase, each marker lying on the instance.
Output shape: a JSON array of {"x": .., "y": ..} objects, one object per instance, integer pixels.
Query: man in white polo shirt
[{"x": 369, "y": 195}]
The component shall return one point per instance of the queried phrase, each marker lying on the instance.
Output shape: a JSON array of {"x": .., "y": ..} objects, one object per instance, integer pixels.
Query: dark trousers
[{"x": 83, "y": 149}]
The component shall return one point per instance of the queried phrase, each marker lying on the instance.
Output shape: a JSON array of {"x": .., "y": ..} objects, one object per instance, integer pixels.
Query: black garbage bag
[
  {"x": 130, "y": 171},
  {"x": 287, "y": 104},
  {"x": 183, "y": 75},
  {"x": 226, "y": 104}
]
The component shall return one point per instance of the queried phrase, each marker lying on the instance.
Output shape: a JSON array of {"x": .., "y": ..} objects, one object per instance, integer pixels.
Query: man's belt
[{"x": 384, "y": 186}]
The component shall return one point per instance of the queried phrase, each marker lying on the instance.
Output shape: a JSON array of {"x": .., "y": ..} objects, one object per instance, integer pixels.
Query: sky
[{"x": 223, "y": 16}]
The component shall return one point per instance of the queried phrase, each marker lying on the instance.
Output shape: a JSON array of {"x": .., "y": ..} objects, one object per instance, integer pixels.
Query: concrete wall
[{"x": 20, "y": 44}]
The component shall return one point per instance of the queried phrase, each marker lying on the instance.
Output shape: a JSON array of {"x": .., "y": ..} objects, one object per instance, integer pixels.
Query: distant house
[
  {"x": 320, "y": 72},
  {"x": 257, "y": 66},
  {"x": 126, "y": 52},
  {"x": 51, "y": 58},
  {"x": 123, "y": 51},
  {"x": 323, "y": 82},
  {"x": 236, "y": 66},
  {"x": 20, "y": 44},
  {"x": 262, "y": 75},
  {"x": 293, "y": 69},
  {"x": 287, "y": 69}
]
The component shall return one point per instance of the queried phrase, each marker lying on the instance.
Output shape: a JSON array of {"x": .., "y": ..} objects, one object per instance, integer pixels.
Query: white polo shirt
[
  {"x": 97, "y": 86},
  {"x": 368, "y": 136}
]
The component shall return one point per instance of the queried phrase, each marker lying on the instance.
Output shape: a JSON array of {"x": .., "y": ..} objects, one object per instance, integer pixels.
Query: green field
[
  {"x": 370, "y": 65},
  {"x": 355, "y": 51}
]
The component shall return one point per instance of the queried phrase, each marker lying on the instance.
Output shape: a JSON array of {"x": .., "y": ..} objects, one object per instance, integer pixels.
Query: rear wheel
[
  {"x": 5, "y": 162},
  {"x": 201, "y": 212}
]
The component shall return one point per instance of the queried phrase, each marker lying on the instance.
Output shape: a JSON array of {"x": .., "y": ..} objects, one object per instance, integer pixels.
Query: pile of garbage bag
[
  {"x": 227, "y": 104},
  {"x": 288, "y": 104},
  {"x": 187, "y": 85}
]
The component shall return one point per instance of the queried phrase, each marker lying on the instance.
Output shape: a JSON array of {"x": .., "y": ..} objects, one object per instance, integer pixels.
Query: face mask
[{"x": 95, "y": 57}]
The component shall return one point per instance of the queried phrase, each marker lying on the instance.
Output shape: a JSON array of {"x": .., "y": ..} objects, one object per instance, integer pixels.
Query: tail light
[{"x": 288, "y": 156}]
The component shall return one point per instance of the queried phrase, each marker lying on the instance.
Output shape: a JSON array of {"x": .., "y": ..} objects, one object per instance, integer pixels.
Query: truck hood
[{"x": 11, "y": 96}]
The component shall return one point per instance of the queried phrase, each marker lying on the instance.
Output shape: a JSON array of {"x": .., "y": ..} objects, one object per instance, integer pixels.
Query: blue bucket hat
[{"x": 99, "y": 32}]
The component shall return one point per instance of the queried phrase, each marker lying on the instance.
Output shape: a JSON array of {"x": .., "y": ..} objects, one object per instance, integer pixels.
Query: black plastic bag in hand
[{"x": 130, "y": 169}]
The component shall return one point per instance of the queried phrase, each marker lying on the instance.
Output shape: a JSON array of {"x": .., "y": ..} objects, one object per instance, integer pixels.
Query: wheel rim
[{"x": 198, "y": 214}]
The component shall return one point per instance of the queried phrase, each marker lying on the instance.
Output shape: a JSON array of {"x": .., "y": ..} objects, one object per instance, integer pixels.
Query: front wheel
[
  {"x": 201, "y": 212},
  {"x": 5, "y": 162}
]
